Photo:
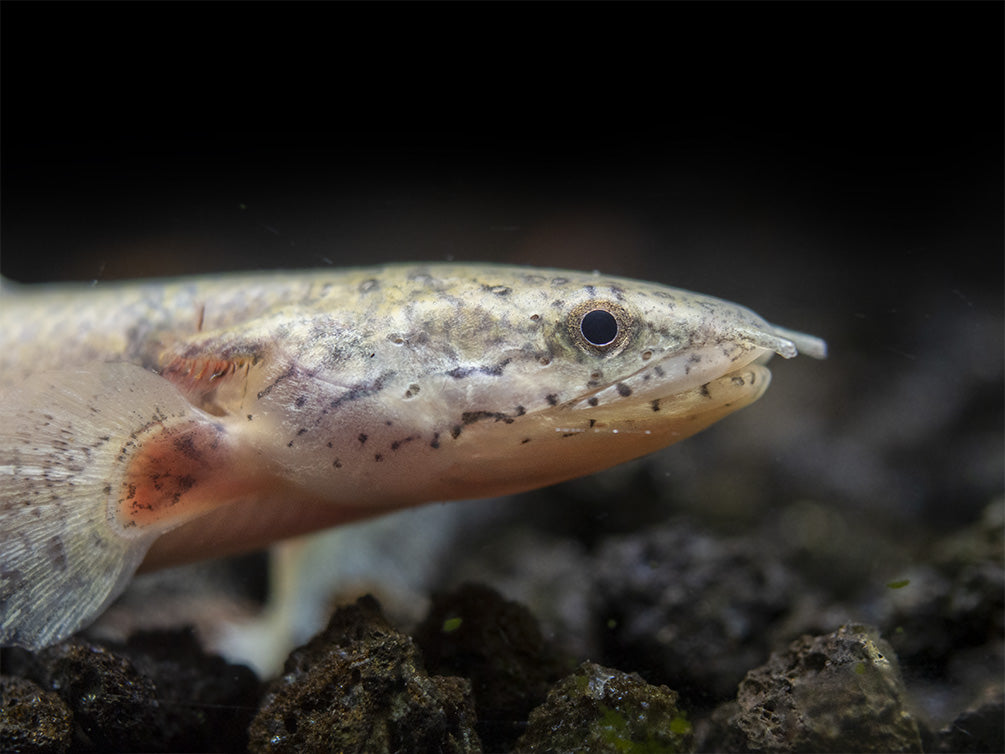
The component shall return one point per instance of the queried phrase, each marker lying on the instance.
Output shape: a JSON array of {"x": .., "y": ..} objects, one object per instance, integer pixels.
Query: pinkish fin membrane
[{"x": 66, "y": 444}]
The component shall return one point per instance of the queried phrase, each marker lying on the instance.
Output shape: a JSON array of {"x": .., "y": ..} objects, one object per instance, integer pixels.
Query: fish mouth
[{"x": 730, "y": 358}]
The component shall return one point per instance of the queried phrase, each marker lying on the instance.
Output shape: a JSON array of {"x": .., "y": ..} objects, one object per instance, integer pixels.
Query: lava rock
[
  {"x": 32, "y": 720},
  {"x": 979, "y": 729},
  {"x": 688, "y": 609},
  {"x": 160, "y": 692},
  {"x": 360, "y": 686},
  {"x": 115, "y": 707},
  {"x": 599, "y": 710},
  {"x": 474, "y": 633},
  {"x": 834, "y": 693},
  {"x": 206, "y": 703}
]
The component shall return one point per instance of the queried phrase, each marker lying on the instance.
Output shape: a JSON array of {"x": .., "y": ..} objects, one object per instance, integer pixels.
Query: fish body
[{"x": 155, "y": 423}]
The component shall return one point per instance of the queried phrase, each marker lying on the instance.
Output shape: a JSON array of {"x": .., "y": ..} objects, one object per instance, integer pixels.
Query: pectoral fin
[{"x": 95, "y": 464}]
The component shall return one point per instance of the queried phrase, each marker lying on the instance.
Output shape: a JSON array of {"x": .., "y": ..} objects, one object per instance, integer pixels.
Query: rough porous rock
[
  {"x": 604, "y": 711},
  {"x": 978, "y": 729},
  {"x": 840, "y": 692},
  {"x": 160, "y": 692},
  {"x": 688, "y": 609},
  {"x": 205, "y": 703},
  {"x": 474, "y": 633},
  {"x": 32, "y": 720},
  {"x": 360, "y": 686},
  {"x": 115, "y": 707}
]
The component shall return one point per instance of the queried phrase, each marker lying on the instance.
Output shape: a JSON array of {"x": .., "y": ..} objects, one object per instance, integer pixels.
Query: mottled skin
[{"x": 290, "y": 402}]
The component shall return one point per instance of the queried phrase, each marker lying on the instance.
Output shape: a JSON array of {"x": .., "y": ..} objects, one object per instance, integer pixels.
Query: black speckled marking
[
  {"x": 659, "y": 370},
  {"x": 552, "y": 399},
  {"x": 362, "y": 389},
  {"x": 496, "y": 370},
  {"x": 362, "y": 438},
  {"x": 300, "y": 401},
  {"x": 655, "y": 404},
  {"x": 268, "y": 388},
  {"x": 455, "y": 431},
  {"x": 435, "y": 442},
  {"x": 594, "y": 401},
  {"x": 378, "y": 457},
  {"x": 470, "y": 417},
  {"x": 704, "y": 391},
  {"x": 623, "y": 390},
  {"x": 398, "y": 443}
]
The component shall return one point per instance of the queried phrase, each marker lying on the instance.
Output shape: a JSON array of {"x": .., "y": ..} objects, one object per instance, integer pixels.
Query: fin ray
[{"x": 66, "y": 440}]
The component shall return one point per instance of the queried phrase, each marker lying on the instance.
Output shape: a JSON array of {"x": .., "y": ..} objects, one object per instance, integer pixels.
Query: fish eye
[{"x": 599, "y": 327}]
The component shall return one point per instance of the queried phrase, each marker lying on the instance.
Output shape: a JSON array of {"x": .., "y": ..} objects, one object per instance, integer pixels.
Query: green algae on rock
[
  {"x": 499, "y": 647},
  {"x": 834, "y": 693},
  {"x": 601, "y": 710}
]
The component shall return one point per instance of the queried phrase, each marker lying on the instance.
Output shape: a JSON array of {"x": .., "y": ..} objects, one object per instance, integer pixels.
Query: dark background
[{"x": 836, "y": 167}]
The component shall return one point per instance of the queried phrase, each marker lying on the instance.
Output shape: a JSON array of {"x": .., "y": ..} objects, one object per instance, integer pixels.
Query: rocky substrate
[{"x": 700, "y": 642}]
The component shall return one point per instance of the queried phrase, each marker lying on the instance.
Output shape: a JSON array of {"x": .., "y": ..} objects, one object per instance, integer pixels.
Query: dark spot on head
[
  {"x": 289, "y": 444},
  {"x": 398, "y": 443},
  {"x": 592, "y": 422},
  {"x": 655, "y": 404},
  {"x": 249, "y": 417},
  {"x": 329, "y": 444},
  {"x": 435, "y": 442},
  {"x": 623, "y": 390},
  {"x": 470, "y": 417},
  {"x": 300, "y": 401},
  {"x": 455, "y": 431},
  {"x": 593, "y": 401},
  {"x": 520, "y": 411},
  {"x": 378, "y": 457},
  {"x": 659, "y": 370},
  {"x": 362, "y": 438},
  {"x": 302, "y": 431},
  {"x": 704, "y": 391},
  {"x": 552, "y": 399}
]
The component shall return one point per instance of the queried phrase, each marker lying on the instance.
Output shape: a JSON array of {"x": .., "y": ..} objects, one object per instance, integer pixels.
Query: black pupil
[{"x": 599, "y": 327}]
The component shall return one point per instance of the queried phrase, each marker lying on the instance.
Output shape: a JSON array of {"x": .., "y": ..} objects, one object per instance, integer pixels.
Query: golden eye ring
[{"x": 600, "y": 327}]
